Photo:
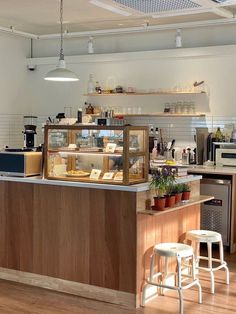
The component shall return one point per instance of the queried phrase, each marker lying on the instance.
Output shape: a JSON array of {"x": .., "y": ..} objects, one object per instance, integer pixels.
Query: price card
[
  {"x": 110, "y": 148},
  {"x": 108, "y": 175},
  {"x": 95, "y": 174},
  {"x": 118, "y": 176}
]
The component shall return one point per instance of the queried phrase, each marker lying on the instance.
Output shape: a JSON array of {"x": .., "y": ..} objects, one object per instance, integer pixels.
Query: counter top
[
  {"x": 212, "y": 170},
  {"x": 141, "y": 187}
]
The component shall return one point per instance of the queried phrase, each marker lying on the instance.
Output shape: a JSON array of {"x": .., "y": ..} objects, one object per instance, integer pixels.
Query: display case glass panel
[{"x": 114, "y": 155}]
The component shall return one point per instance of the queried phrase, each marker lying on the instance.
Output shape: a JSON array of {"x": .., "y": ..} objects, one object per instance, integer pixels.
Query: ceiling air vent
[{"x": 157, "y": 6}]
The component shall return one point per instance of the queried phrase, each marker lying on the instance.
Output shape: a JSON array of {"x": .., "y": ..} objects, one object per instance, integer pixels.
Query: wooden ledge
[{"x": 193, "y": 201}]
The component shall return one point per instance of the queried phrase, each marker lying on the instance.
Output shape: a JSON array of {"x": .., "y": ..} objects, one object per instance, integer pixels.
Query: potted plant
[
  {"x": 178, "y": 189},
  {"x": 186, "y": 192},
  {"x": 170, "y": 197},
  {"x": 163, "y": 180},
  {"x": 158, "y": 183},
  {"x": 170, "y": 180}
]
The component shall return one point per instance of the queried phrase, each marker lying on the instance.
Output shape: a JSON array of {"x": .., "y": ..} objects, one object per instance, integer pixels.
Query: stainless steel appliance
[
  {"x": 215, "y": 214},
  {"x": 201, "y": 145},
  {"x": 226, "y": 157},
  {"x": 20, "y": 163}
]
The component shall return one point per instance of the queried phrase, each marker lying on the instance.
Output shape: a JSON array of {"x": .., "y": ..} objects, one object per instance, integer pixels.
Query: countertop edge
[{"x": 142, "y": 187}]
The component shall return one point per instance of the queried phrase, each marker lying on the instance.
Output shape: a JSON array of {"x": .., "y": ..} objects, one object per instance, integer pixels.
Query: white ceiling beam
[
  {"x": 13, "y": 31},
  {"x": 180, "y": 12},
  {"x": 215, "y": 8},
  {"x": 223, "y": 12},
  {"x": 109, "y": 7},
  {"x": 139, "y": 29}
]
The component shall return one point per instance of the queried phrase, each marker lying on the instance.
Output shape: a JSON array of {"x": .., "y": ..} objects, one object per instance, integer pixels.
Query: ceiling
[{"x": 41, "y": 17}]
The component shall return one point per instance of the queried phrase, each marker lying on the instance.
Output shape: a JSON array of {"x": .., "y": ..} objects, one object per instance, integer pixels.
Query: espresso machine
[{"x": 30, "y": 125}]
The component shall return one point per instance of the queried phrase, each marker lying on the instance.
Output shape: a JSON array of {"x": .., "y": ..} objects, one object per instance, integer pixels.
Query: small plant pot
[
  {"x": 186, "y": 196},
  {"x": 159, "y": 203},
  {"x": 178, "y": 197},
  {"x": 170, "y": 201}
]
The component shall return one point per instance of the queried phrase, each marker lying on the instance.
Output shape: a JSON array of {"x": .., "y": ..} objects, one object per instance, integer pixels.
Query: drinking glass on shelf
[
  {"x": 172, "y": 108},
  {"x": 129, "y": 110},
  {"x": 192, "y": 107},
  {"x": 68, "y": 112},
  {"x": 178, "y": 107}
]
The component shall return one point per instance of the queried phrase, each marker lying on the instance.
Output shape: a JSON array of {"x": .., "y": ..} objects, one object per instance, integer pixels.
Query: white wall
[
  {"x": 152, "y": 73},
  {"x": 218, "y": 72},
  {"x": 26, "y": 92},
  {"x": 14, "y": 77}
]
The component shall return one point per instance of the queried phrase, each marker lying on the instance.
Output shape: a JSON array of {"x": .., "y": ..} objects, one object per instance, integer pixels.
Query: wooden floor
[{"x": 22, "y": 299}]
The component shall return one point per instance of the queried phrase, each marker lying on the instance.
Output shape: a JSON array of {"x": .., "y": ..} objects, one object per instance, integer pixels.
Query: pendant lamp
[{"x": 61, "y": 73}]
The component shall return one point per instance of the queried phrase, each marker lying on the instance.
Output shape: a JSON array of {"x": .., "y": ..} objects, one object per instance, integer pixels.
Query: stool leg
[
  {"x": 221, "y": 247},
  {"x": 164, "y": 275},
  {"x": 196, "y": 252},
  {"x": 209, "y": 249},
  {"x": 143, "y": 299},
  {"x": 179, "y": 283},
  {"x": 197, "y": 281},
  {"x": 152, "y": 264}
]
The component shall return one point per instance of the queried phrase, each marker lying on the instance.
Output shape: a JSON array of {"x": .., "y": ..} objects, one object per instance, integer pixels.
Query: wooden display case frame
[{"x": 126, "y": 154}]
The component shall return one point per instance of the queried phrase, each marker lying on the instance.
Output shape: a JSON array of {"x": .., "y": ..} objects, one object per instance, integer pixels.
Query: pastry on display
[{"x": 77, "y": 173}]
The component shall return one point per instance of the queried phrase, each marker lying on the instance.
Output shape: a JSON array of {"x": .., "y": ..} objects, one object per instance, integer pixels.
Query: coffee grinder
[{"x": 30, "y": 125}]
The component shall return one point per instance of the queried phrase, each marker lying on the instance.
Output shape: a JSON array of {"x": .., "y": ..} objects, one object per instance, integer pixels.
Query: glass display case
[{"x": 101, "y": 154}]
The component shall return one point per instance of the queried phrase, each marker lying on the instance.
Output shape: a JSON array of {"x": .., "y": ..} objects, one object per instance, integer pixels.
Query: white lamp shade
[{"x": 61, "y": 74}]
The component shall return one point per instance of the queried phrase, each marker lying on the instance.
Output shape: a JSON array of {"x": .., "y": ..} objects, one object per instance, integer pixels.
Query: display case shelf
[{"x": 75, "y": 152}]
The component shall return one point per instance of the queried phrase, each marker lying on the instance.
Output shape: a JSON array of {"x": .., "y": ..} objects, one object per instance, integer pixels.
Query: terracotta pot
[
  {"x": 160, "y": 203},
  {"x": 170, "y": 201},
  {"x": 178, "y": 197},
  {"x": 185, "y": 195}
]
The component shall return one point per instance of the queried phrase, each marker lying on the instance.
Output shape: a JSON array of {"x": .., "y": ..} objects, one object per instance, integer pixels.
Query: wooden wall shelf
[
  {"x": 145, "y": 94},
  {"x": 194, "y": 201},
  {"x": 162, "y": 115}
]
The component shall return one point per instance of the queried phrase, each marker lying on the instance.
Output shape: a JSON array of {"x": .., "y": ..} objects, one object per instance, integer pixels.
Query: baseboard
[{"x": 70, "y": 287}]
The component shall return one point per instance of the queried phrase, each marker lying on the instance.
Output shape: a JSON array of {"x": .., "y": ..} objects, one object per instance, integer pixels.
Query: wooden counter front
[{"x": 88, "y": 242}]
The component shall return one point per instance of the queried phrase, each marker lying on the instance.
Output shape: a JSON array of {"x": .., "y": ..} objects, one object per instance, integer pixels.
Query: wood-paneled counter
[{"x": 86, "y": 241}]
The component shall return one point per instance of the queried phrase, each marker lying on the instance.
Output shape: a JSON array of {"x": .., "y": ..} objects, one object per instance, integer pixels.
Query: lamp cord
[{"x": 61, "y": 22}]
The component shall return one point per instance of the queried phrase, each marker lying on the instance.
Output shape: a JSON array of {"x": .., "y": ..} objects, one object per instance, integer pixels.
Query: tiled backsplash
[
  {"x": 11, "y": 128},
  {"x": 182, "y": 129}
]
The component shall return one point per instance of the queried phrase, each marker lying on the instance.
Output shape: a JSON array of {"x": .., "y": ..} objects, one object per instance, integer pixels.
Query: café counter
[{"x": 91, "y": 240}]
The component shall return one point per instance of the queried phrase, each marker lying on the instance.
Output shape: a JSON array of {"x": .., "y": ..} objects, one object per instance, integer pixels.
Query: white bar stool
[
  {"x": 179, "y": 251},
  {"x": 209, "y": 237}
]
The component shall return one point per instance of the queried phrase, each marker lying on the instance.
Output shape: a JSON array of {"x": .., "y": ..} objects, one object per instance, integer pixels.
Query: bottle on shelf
[
  {"x": 89, "y": 109},
  {"x": 79, "y": 115},
  {"x": 91, "y": 86},
  {"x": 157, "y": 140},
  {"x": 185, "y": 157},
  {"x": 98, "y": 88},
  {"x": 151, "y": 140},
  {"x": 219, "y": 135},
  {"x": 90, "y": 45},
  {"x": 178, "y": 39}
]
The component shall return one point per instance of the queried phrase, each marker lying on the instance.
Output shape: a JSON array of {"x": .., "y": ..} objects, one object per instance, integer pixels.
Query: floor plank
[{"x": 17, "y": 298}]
